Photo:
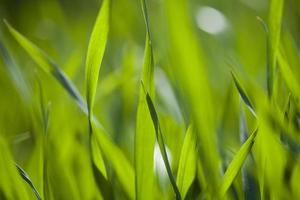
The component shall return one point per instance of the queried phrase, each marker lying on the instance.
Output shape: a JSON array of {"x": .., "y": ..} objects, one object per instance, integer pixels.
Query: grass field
[{"x": 158, "y": 99}]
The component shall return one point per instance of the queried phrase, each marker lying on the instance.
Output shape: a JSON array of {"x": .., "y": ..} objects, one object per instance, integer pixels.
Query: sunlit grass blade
[
  {"x": 288, "y": 75},
  {"x": 47, "y": 64},
  {"x": 189, "y": 68},
  {"x": 95, "y": 53},
  {"x": 11, "y": 185},
  {"x": 145, "y": 133},
  {"x": 15, "y": 74},
  {"x": 274, "y": 25},
  {"x": 236, "y": 164},
  {"x": 26, "y": 178},
  {"x": 187, "y": 163},
  {"x": 243, "y": 94},
  {"x": 97, "y": 156},
  {"x": 161, "y": 143}
]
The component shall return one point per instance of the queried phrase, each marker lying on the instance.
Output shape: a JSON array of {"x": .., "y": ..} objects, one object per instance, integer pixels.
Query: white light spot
[
  {"x": 159, "y": 165},
  {"x": 211, "y": 20}
]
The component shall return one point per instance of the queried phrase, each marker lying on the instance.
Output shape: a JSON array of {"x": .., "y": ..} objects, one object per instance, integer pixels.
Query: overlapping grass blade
[
  {"x": 26, "y": 178},
  {"x": 15, "y": 73},
  {"x": 288, "y": 75},
  {"x": 47, "y": 65},
  {"x": 95, "y": 53},
  {"x": 11, "y": 185},
  {"x": 236, "y": 164},
  {"x": 243, "y": 94},
  {"x": 274, "y": 25},
  {"x": 187, "y": 163},
  {"x": 145, "y": 133},
  {"x": 161, "y": 143},
  {"x": 111, "y": 152},
  {"x": 189, "y": 68}
]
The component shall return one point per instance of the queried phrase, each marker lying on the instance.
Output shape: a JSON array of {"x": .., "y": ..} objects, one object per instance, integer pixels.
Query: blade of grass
[
  {"x": 15, "y": 73},
  {"x": 161, "y": 143},
  {"x": 236, "y": 164},
  {"x": 26, "y": 178},
  {"x": 188, "y": 65},
  {"x": 274, "y": 24},
  {"x": 47, "y": 64},
  {"x": 95, "y": 53},
  {"x": 243, "y": 94},
  {"x": 145, "y": 133},
  {"x": 11, "y": 185},
  {"x": 187, "y": 163},
  {"x": 288, "y": 75}
]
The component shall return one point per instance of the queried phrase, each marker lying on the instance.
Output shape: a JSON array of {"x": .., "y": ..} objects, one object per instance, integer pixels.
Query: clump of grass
[{"x": 105, "y": 147}]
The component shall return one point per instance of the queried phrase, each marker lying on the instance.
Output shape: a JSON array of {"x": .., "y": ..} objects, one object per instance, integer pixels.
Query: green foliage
[{"x": 166, "y": 118}]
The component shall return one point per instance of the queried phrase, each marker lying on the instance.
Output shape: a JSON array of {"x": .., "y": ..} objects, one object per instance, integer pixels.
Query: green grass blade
[
  {"x": 11, "y": 185},
  {"x": 236, "y": 164},
  {"x": 15, "y": 73},
  {"x": 26, "y": 178},
  {"x": 189, "y": 68},
  {"x": 161, "y": 143},
  {"x": 145, "y": 133},
  {"x": 274, "y": 24},
  {"x": 95, "y": 53},
  {"x": 97, "y": 156},
  {"x": 243, "y": 94},
  {"x": 187, "y": 163},
  {"x": 47, "y": 64},
  {"x": 288, "y": 75}
]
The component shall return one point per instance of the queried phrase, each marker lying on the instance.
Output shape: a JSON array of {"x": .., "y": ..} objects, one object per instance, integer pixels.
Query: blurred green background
[{"x": 228, "y": 32}]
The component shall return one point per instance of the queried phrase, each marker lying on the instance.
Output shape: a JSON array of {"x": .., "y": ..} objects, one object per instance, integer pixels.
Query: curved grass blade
[
  {"x": 187, "y": 163},
  {"x": 15, "y": 73},
  {"x": 26, "y": 178},
  {"x": 95, "y": 53},
  {"x": 111, "y": 152},
  {"x": 274, "y": 24},
  {"x": 288, "y": 75},
  {"x": 47, "y": 65},
  {"x": 11, "y": 184},
  {"x": 145, "y": 133},
  {"x": 188, "y": 64},
  {"x": 243, "y": 94},
  {"x": 236, "y": 164},
  {"x": 161, "y": 144}
]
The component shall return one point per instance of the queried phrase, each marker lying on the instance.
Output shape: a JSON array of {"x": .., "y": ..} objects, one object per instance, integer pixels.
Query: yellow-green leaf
[
  {"x": 274, "y": 24},
  {"x": 145, "y": 133},
  {"x": 187, "y": 163},
  {"x": 95, "y": 53},
  {"x": 236, "y": 164},
  {"x": 47, "y": 65}
]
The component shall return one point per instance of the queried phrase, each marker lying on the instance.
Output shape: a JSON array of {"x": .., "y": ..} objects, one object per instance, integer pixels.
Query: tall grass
[{"x": 162, "y": 115}]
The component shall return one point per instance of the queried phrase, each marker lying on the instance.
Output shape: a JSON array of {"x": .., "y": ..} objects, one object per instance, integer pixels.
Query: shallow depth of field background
[{"x": 231, "y": 39}]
